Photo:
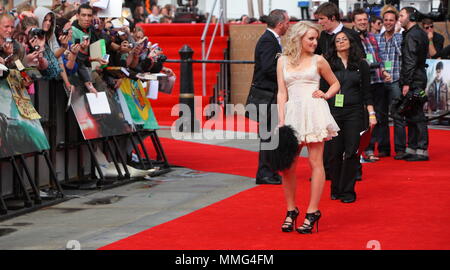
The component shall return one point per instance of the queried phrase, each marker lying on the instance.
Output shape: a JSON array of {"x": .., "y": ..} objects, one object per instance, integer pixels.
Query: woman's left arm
[{"x": 326, "y": 73}]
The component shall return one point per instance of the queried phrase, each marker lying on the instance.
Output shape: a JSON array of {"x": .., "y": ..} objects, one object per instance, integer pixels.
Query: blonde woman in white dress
[{"x": 303, "y": 106}]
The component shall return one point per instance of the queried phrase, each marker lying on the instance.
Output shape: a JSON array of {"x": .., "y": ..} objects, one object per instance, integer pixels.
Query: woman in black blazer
[{"x": 347, "y": 107}]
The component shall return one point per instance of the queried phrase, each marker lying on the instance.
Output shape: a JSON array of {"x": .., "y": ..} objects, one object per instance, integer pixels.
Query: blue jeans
[{"x": 395, "y": 92}]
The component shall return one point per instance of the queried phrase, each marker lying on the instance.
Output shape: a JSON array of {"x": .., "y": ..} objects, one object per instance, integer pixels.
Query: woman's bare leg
[
  {"x": 315, "y": 151},
  {"x": 290, "y": 185}
]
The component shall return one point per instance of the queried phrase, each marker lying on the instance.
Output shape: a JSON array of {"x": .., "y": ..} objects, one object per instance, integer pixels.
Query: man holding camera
[
  {"x": 413, "y": 79},
  {"x": 10, "y": 50},
  {"x": 83, "y": 34}
]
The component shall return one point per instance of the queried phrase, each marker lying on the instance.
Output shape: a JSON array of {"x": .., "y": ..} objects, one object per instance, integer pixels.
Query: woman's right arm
[
  {"x": 364, "y": 70},
  {"x": 282, "y": 95}
]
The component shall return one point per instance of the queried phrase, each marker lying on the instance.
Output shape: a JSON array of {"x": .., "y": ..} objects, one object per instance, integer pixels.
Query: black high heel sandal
[
  {"x": 290, "y": 224},
  {"x": 312, "y": 218}
]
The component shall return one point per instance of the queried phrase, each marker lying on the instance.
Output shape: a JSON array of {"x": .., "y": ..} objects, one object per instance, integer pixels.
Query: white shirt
[{"x": 337, "y": 29}]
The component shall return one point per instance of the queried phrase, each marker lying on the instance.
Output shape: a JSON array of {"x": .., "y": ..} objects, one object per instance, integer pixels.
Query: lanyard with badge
[
  {"x": 339, "y": 97},
  {"x": 339, "y": 100},
  {"x": 388, "y": 64}
]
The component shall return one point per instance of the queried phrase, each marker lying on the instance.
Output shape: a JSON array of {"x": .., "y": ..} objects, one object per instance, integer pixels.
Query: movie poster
[
  {"x": 20, "y": 130},
  {"x": 438, "y": 74},
  {"x": 138, "y": 104},
  {"x": 99, "y": 125}
]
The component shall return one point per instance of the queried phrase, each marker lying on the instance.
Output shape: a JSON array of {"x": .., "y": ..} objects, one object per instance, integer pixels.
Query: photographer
[
  {"x": 10, "y": 50},
  {"x": 54, "y": 47},
  {"x": 69, "y": 57},
  {"x": 121, "y": 49},
  {"x": 34, "y": 44},
  {"x": 413, "y": 79},
  {"x": 83, "y": 34}
]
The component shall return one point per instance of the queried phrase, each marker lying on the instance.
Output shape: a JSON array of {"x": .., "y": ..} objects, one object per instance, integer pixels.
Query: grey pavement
[{"x": 95, "y": 219}]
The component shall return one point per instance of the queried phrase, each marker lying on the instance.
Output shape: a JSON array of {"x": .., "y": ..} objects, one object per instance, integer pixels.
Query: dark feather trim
[{"x": 282, "y": 157}]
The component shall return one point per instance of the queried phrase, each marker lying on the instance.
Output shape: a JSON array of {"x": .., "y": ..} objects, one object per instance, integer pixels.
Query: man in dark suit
[{"x": 264, "y": 85}]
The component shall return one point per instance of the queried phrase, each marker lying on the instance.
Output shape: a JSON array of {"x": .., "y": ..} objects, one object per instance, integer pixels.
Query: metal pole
[
  {"x": 203, "y": 40},
  {"x": 221, "y": 18},
  {"x": 225, "y": 13},
  {"x": 187, "y": 90},
  {"x": 212, "y": 38},
  {"x": 203, "y": 68}
]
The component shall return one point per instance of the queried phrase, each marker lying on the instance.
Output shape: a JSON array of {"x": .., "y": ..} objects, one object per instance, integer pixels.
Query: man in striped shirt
[
  {"x": 378, "y": 76},
  {"x": 390, "y": 45}
]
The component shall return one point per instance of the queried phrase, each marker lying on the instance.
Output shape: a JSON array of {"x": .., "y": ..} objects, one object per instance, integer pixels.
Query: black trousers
[
  {"x": 380, "y": 134},
  {"x": 417, "y": 132},
  {"x": 265, "y": 119},
  {"x": 344, "y": 161}
]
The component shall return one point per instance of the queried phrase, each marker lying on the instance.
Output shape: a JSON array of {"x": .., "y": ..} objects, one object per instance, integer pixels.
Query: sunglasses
[{"x": 429, "y": 27}]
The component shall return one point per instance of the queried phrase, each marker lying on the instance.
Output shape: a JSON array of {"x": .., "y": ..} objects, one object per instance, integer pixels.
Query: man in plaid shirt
[
  {"x": 390, "y": 44},
  {"x": 378, "y": 76}
]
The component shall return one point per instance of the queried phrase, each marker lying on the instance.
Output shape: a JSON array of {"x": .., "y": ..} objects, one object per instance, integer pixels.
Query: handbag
[{"x": 257, "y": 97}]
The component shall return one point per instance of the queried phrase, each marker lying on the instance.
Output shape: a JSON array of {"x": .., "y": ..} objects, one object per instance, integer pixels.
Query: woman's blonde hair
[{"x": 296, "y": 32}]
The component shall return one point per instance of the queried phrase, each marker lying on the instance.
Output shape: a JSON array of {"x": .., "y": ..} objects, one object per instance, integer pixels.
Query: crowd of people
[
  {"x": 56, "y": 42},
  {"x": 334, "y": 88}
]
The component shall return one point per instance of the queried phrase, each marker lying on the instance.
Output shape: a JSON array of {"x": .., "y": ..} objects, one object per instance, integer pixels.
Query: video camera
[
  {"x": 413, "y": 101},
  {"x": 160, "y": 58}
]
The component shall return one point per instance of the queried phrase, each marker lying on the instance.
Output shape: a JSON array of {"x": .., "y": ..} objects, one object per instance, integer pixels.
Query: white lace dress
[{"x": 309, "y": 116}]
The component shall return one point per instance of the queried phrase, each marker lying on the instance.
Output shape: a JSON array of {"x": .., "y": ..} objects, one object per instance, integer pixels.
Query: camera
[
  {"x": 160, "y": 58},
  {"x": 35, "y": 48},
  {"x": 413, "y": 101},
  {"x": 37, "y": 32},
  {"x": 130, "y": 45},
  {"x": 85, "y": 38},
  {"x": 8, "y": 40},
  {"x": 65, "y": 32}
]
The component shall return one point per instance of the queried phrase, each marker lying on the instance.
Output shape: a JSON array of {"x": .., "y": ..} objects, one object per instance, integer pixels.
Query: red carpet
[
  {"x": 171, "y": 38},
  {"x": 402, "y": 205}
]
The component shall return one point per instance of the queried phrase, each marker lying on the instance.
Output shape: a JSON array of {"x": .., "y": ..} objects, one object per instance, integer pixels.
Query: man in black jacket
[
  {"x": 264, "y": 84},
  {"x": 436, "y": 40},
  {"x": 413, "y": 77},
  {"x": 329, "y": 18}
]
